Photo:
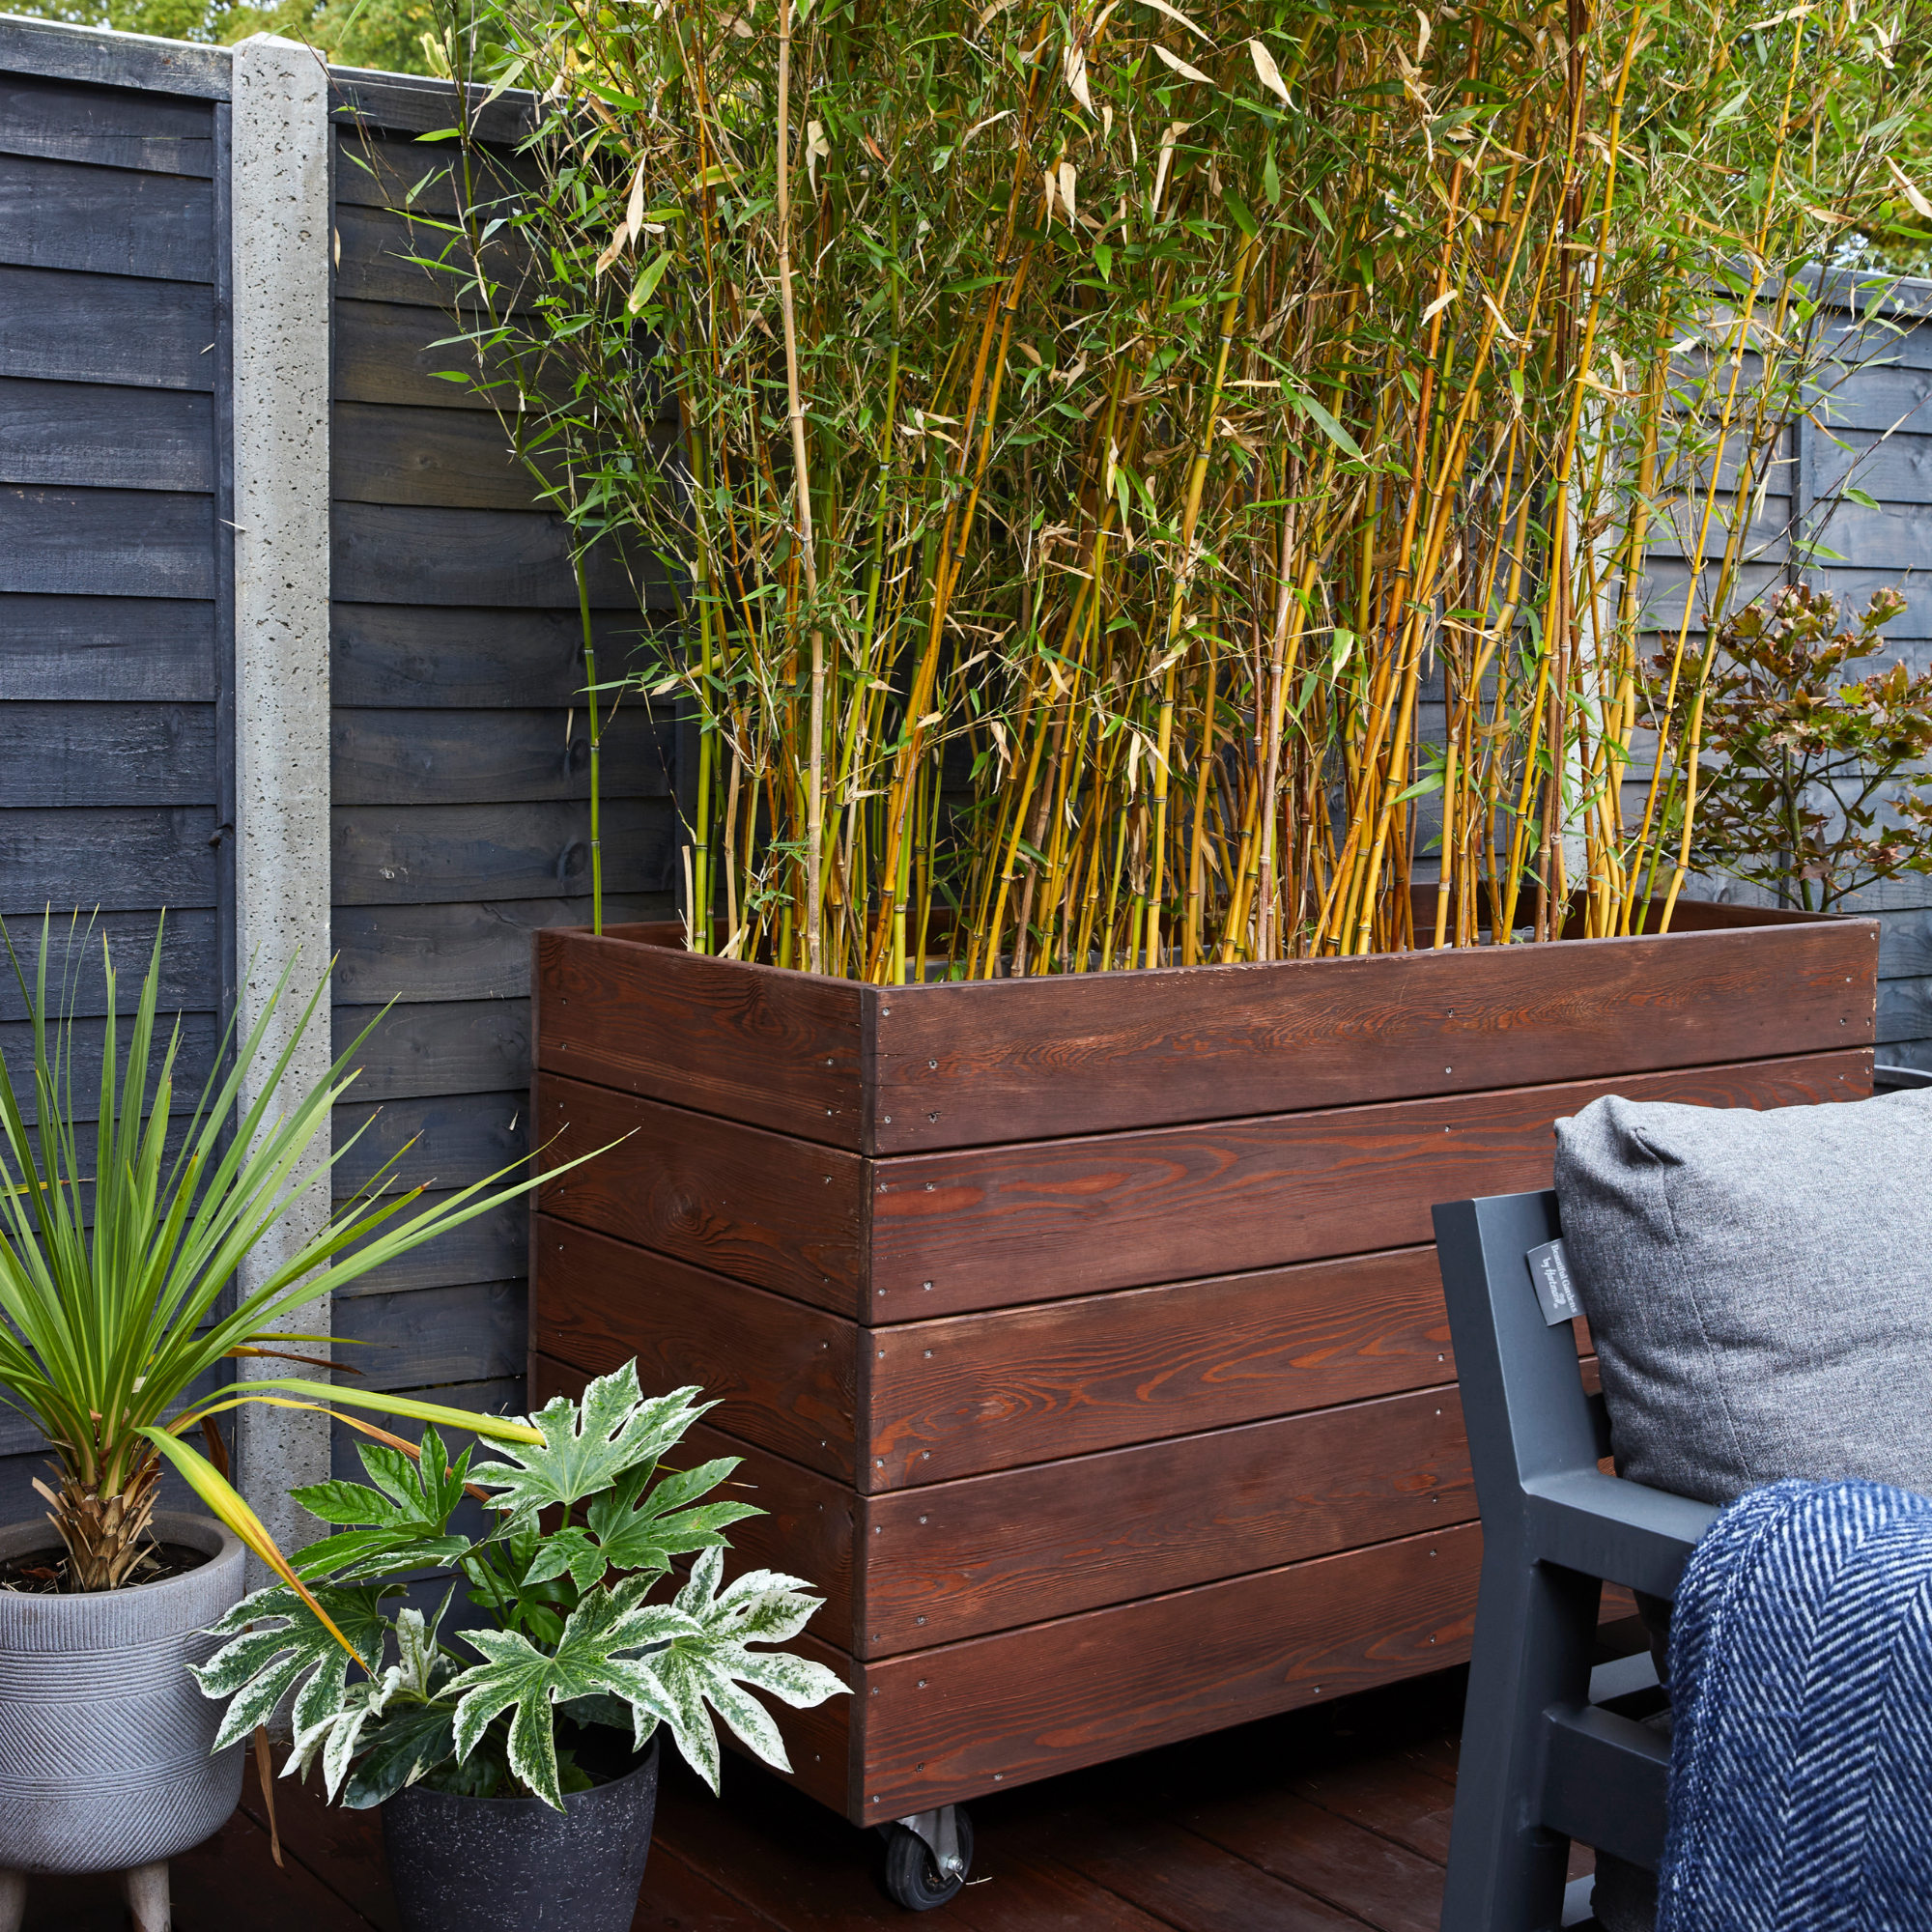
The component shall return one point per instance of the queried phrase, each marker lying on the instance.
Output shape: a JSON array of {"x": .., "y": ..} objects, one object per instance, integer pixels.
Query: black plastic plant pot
[{"x": 512, "y": 1865}]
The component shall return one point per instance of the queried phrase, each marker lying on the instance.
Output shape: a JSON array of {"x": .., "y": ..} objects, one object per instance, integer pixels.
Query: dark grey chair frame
[{"x": 1543, "y": 1761}]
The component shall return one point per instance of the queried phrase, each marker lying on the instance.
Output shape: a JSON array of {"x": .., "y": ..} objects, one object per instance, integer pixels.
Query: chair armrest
[{"x": 1607, "y": 1528}]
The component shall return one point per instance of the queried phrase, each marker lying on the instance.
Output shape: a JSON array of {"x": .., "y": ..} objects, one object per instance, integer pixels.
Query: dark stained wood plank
[
  {"x": 1190, "y": 1884},
  {"x": 117, "y": 859},
  {"x": 189, "y": 959},
  {"x": 1046, "y": 1218},
  {"x": 415, "y": 657},
  {"x": 452, "y": 1046},
  {"x": 194, "y": 1054},
  {"x": 109, "y": 59},
  {"x": 106, "y": 755},
  {"x": 785, "y": 1376},
  {"x": 444, "y": 1140},
  {"x": 1387, "y": 1885},
  {"x": 377, "y": 170},
  {"x": 750, "y": 1042},
  {"x": 115, "y": 650},
  {"x": 340, "y": 1847},
  {"x": 389, "y": 256},
  {"x": 1022, "y": 1546},
  {"x": 1904, "y": 1010},
  {"x": 970, "y": 1393},
  {"x": 1906, "y": 950},
  {"x": 412, "y": 103},
  {"x": 472, "y": 1333},
  {"x": 1405, "y": 1803},
  {"x": 61, "y": 122},
  {"x": 404, "y": 854},
  {"x": 498, "y": 757},
  {"x": 114, "y": 221},
  {"x": 392, "y": 553},
  {"x": 60, "y": 326},
  {"x": 676, "y": 1897},
  {"x": 385, "y": 355},
  {"x": 1037, "y": 1894},
  {"x": 443, "y": 458},
  {"x": 765, "y": 1208},
  {"x": 946, "y": 1724},
  {"x": 111, "y": 543},
  {"x": 459, "y": 952},
  {"x": 102, "y": 436},
  {"x": 491, "y": 1247},
  {"x": 503, "y": 1397},
  {"x": 1004, "y": 1060}
]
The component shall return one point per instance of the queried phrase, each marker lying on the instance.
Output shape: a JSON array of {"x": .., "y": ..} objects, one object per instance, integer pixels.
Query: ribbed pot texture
[
  {"x": 512, "y": 1865},
  {"x": 105, "y": 1738}
]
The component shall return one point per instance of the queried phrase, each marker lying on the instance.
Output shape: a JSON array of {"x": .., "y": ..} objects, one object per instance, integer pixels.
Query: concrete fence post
[{"x": 281, "y": 218}]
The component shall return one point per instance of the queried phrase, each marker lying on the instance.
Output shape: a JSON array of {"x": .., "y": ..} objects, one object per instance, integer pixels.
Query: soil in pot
[
  {"x": 42, "y": 1573},
  {"x": 512, "y": 1865}
]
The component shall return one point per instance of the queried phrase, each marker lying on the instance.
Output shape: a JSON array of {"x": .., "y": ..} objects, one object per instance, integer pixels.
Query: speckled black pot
[{"x": 512, "y": 1865}]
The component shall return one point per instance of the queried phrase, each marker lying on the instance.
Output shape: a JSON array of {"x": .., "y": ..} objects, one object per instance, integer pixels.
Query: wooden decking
[{"x": 1334, "y": 1817}]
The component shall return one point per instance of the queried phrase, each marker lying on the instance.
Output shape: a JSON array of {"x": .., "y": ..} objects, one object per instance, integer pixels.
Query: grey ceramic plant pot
[
  {"x": 512, "y": 1865},
  {"x": 105, "y": 1738}
]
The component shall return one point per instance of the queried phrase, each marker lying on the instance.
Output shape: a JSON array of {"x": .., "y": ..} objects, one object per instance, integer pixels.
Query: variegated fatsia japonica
[{"x": 568, "y": 1632}]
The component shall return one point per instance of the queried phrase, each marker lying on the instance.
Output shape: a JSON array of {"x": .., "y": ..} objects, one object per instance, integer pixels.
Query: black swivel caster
[{"x": 928, "y": 1857}]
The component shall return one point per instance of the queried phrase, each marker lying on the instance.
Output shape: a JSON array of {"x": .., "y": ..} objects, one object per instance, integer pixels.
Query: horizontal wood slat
[
  {"x": 383, "y": 354},
  {"x": 100, "y": 57},
  {"x": 112, "y": 221},
  {"x": 383, "y": 253},
  {"x": 442, "y": 458},
  {"x": 473, "y": 951},
  {"x": 189, "y": 968},
  {"x": 785, "y": 1376},
  {"x": 436, "y": 1141},
  {"x": 410, "y": 656},
  {"x": 106, "y": 755},
  {"x": 953, "y": 1723},
  {"x": 119, "y": 859},
  {"x": 494, "y": 1246},
  {"x": 780, "y": 1049},
  {"x": 158, "y": 133},
  {"x": 448, "y": 1046},
  {"x": 981, "y": 1228},
  {"x": 472, "y": 1333},
  {"x": 376, "y": 170},
  {"x": 57, "y": 325},
  {"x": 761, "y": 1208},
  {"x": 994, "y": 1391},
  {"x": 403, "y": 855},
  {"x": 393, "y": 756},
  {"x": 115, "y": 650},
  {"x": 389, "y": 553},
  {"x": 107, "y": 543},
  {"x": 1000, "y": 1061},
  {"x": 95, "y": 436}
]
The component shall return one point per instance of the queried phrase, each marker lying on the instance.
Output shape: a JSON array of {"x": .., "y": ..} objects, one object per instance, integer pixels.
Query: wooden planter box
[{"x": 1083, "y": 1336}]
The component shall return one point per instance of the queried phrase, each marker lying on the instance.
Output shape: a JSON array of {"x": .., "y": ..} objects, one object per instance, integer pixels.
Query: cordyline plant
[
  {"x": 1814, "y": 784},
  {"x": 116, "y": 1251},
  {"x": 1153, "y": 483},
  {"x": 570, "y": 1639}
]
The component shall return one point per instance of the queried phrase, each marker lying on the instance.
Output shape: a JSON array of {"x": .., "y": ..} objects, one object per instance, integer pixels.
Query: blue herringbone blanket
[{"x": 1800, "y": 1760}]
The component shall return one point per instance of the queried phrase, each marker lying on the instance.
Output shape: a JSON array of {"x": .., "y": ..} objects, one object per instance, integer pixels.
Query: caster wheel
[{"x": 913, "y": 1877}]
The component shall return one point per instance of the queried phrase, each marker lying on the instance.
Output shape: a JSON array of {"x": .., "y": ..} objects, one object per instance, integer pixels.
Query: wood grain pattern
[
  {"x": 61, "y": 122},
  {"x": 106, "y": 650},
  {"x": 780, "y": 1049},
  {"x": 99, "y": 436},
  {"x": 404, "y": 854},
  {"x": 51, "y": 50},
  {"x": 377, "y": 170},
  {"x": 189, "y": 959},
  {"x": 413, "y": 657},
  {"x": 785, "y": 1376},
  {"x": 469, "y": 950},
  {"x": 111, "y": 221},
  {"x": 994, "y": 1391},
  {"x": 761, "y": 1208},
  {"x": 449, "y": 757},
  {"x": 389, "y": 553},
  {"x": 442, "y": 458},
  {"x": 438, "y": 1141},
  {"x": 107, "y": 543},
  {"x": 992, "y": 1227},
  {"x": 1022, "y": 1546},
  {"x": 383, "y": 354},
  {"x": 118, "y": 859},
  {"x": 443, "y": 1047},
  {"x": 950, "y": 1724},
  {"x": 106, "y": 755},
  {"x": 1005, "y": 1061},
  {"x": 60, "y": 326},
  {"x": 493, "y": 1247},
  {"x": 427, "y": 1336},
  {"x": 382, "y": 259}
]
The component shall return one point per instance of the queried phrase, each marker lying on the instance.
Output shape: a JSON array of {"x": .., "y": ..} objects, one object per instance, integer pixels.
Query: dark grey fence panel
[{"x": 460, "y": 761}]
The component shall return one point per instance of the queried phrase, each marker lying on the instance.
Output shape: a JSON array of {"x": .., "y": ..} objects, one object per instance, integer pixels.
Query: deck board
[{"x": 1329, "y": 1819}]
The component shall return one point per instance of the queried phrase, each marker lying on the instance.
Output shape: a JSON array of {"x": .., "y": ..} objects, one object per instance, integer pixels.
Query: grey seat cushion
[{"x": 1759, "y": 1286}]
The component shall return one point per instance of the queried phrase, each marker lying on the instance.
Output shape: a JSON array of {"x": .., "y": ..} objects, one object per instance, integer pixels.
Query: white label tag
[{"x": 1549, "y": 1270}]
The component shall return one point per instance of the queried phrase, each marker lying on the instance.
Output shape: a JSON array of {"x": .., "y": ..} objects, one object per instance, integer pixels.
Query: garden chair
[{"x": 1545, "y": 1759}]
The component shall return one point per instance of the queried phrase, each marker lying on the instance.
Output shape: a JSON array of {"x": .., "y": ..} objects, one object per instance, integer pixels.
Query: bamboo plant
[
  {"x": 119, "y": 1248},
  {"x": 1150, "y": 484}
]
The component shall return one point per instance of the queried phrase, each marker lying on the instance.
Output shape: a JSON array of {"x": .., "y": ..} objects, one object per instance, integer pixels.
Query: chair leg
[
  {"x": 13, "y": 1900},
  {"x": 147, "y": 1891},
  {"x": 1535, "y": 1630}
]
